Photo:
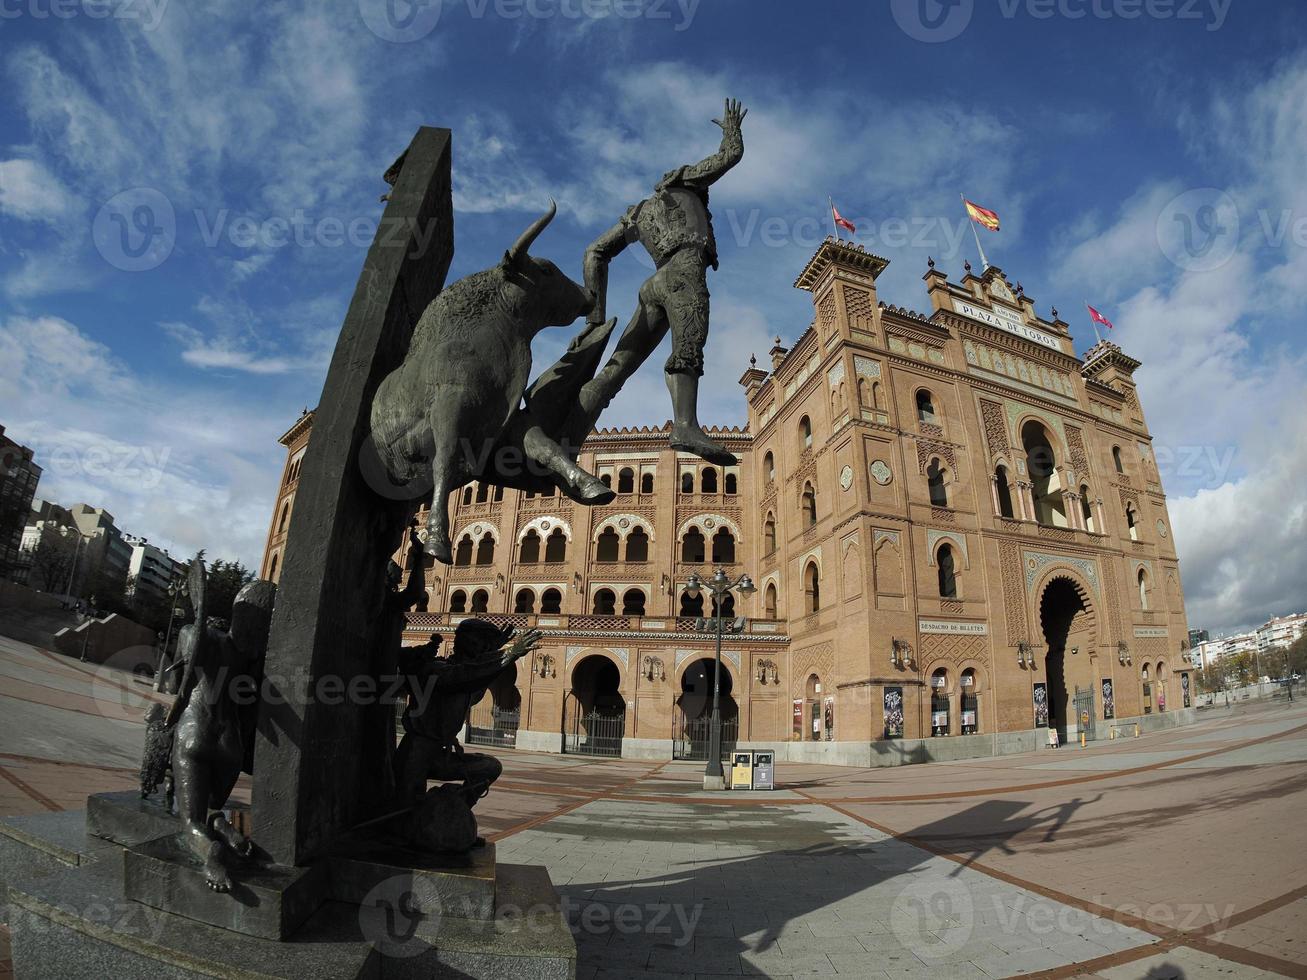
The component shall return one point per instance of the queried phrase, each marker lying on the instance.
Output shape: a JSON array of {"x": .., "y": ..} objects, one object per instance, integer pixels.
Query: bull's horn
[{"x": 523, "y": 244}]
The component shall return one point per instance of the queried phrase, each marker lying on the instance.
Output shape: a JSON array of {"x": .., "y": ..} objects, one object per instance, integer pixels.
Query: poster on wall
[
  {"x": 1184, "y": 689},
  {"x": 798, "y": 718},
  {"x": 1109, "y": 701},
  {"x": 893, "y": 712},
  {"x": 828, "y": 717},
  {"x": 1041, "y": 705}
]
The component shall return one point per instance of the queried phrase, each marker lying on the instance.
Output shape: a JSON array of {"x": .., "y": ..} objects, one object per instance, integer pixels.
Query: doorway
[
  {"x": 594, "y": 714},
  {"x": 1062, "y": 613}
]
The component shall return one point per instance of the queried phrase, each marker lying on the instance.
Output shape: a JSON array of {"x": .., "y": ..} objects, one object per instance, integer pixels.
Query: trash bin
[
  {"x": 764, "y": 765},
  {"x": 741, "y": 770}
]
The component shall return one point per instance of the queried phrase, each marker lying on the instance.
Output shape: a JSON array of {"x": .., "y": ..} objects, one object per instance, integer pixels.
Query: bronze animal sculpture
[{"x": 446, "y": 407}]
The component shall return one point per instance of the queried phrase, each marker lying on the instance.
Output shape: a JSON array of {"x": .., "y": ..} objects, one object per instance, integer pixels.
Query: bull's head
[{"x": 544, "y": 296}]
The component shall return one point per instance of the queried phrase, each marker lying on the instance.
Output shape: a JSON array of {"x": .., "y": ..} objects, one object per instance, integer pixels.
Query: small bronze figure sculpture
[
  {"x": 675, "y": 227},
  {"x": 443, "y": 410},
  {"x": 440, "y": 693},
  {"x": 213, "y": 722},
  {"x": 156, "y": 760}
]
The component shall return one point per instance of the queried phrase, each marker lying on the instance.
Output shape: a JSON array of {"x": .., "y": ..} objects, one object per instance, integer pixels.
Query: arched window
[
  {"x": 633, "y": 602},
  {"x": 708, "y": 480},
  {"x": 691, "y": 605},
  {"x": 480, "y": 600},
  {"x": 769, "y": 601},
  {"x": 285, "y": 517},
  {"x": 272, "y": 568},
  {"x": 467, "y": 495},
  {"x": 499, "y": 494},
  {"x": 605, "y": 602},
  {"x": 1086, "y": 512},
  {"x": 483, "y": 492},
  {"x": 556, "y": 546},
  {"x": 805, "y": 433},
  {"x": 808, "y": 503},
  {"x": 769, "y": 534},
  {"x": 525, "y": 601},
  {"x": 812, "y": 588},
  {"x": 723, "y": 547},
  {"x": 1132, "y": 522},
  {"x": 727, "y": 609},
  {"x": 551, "y": 602},
  {"x": 1143, "y": 589},
  {"x": 486, "y": 551},
  {"x": 731, "y": 485},
  {"x": 1004, "y": 492},
  {"x": 626, "y": 480},
  {"x": 463, "y": 554},
  {"x": 864, "y": 393},
  {"x": 606, "y": 479},
  {"x": 925, "y": 407},
  {"x": 692, "y": 547},
  {"x": 1116, "y": 459},
  {"x": 551, "y": 490},
  {"x": 637, "y": 545},
  {"x": 606, "y": 546},
  {"x": 458, "y": 601},
  {"x": 935, "y": 481},
  {"x": 970, "y": 703},
  {"x": 687, "y": 482},
  {"x": 948, "y": 580},
  {"x": 769, "y": 467},
  {"x": 1042, "y": 464},
  {"x": 529, "y": 551},
  {"x": 646, "y": 483}
]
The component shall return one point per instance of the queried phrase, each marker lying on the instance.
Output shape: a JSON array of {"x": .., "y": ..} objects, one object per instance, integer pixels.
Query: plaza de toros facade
[{"x": 956, "y": 528}]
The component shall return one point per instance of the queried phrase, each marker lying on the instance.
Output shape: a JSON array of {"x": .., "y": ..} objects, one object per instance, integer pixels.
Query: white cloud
[{"x": 30, "y": 192}]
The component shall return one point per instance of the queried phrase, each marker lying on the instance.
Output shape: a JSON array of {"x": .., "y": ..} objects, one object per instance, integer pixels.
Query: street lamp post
[
  {"x": 77, "y": 548},
  {"x": 719, "y": 586}
]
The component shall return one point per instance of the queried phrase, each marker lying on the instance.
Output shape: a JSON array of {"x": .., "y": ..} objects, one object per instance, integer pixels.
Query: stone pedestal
[{"x": 377, "y": 911}]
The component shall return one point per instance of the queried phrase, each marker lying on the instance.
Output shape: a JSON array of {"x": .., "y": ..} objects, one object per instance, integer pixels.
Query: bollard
[
  {"x": 1082, "y": 740},
  {"x": 1136, "y": 729}
]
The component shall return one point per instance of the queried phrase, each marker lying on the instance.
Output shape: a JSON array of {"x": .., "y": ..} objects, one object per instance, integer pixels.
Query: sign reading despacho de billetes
[
  {"x": 1145, "y": 631},
  {"x": 952, "y": 626},
  {"x": 1009, "y": 322}
]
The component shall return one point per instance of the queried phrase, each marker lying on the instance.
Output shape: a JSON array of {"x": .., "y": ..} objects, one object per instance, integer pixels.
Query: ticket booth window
[
  {"x": 970, "y": 703},
  {"x": 939, "y": 711}
]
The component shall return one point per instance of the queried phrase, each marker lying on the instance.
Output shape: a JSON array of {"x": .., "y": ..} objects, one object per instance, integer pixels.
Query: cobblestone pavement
[{"x": 1177, "y": 854}]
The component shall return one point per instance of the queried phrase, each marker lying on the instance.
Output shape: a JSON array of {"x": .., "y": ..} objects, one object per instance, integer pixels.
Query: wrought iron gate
[
  {"x": 497, "y": 727},
  {"x": 1084, "y": 708},
  {"x": 693, "y": 735},
  {"x": 595, "y": 733}
]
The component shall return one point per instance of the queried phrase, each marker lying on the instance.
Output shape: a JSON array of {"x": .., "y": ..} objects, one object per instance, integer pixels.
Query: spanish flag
[{"x": 982, "y": 216}]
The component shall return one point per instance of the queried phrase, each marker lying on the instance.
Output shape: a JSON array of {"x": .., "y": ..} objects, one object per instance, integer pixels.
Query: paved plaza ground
[{"x": 1177, "y": 854}]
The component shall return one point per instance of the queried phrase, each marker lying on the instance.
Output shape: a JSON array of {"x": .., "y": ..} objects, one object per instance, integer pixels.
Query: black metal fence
[
  {"x": 496, "y": 727},
  {"x": 595, "y": 734},
  {"x": 693, "y": 735}
]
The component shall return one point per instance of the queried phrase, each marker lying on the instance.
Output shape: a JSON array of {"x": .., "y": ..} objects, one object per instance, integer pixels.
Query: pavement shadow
[{"x": 810, "y": 886}]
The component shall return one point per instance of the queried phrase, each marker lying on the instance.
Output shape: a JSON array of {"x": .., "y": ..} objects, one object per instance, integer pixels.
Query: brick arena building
[{"x": 956, "y": 528}]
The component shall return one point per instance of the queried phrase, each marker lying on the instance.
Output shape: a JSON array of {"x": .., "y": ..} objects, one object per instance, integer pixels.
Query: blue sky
[{"x": 239, "y": 148}]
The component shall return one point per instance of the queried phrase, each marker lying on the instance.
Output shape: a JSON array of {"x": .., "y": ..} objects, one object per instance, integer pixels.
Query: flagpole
[
  {"x": 972, "y": 221},
  {"x": 834, "y": 227},
  {"x": 1094, "y": 323}
]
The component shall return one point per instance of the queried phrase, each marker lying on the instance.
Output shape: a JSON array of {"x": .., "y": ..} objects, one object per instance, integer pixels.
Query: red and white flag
[
  {"x": 842, "y": 221},
  {"x": 1099, "y": 318}
]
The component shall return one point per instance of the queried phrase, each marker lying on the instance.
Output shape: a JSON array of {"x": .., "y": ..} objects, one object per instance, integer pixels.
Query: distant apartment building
[
  {"x": 109, "y": 552},
  {"x": 19, "y": 476},
  {"x": 1278, "y": 632},
  {"x": 1281, "y": 631},
  {"x": 151, "y": 570}
]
